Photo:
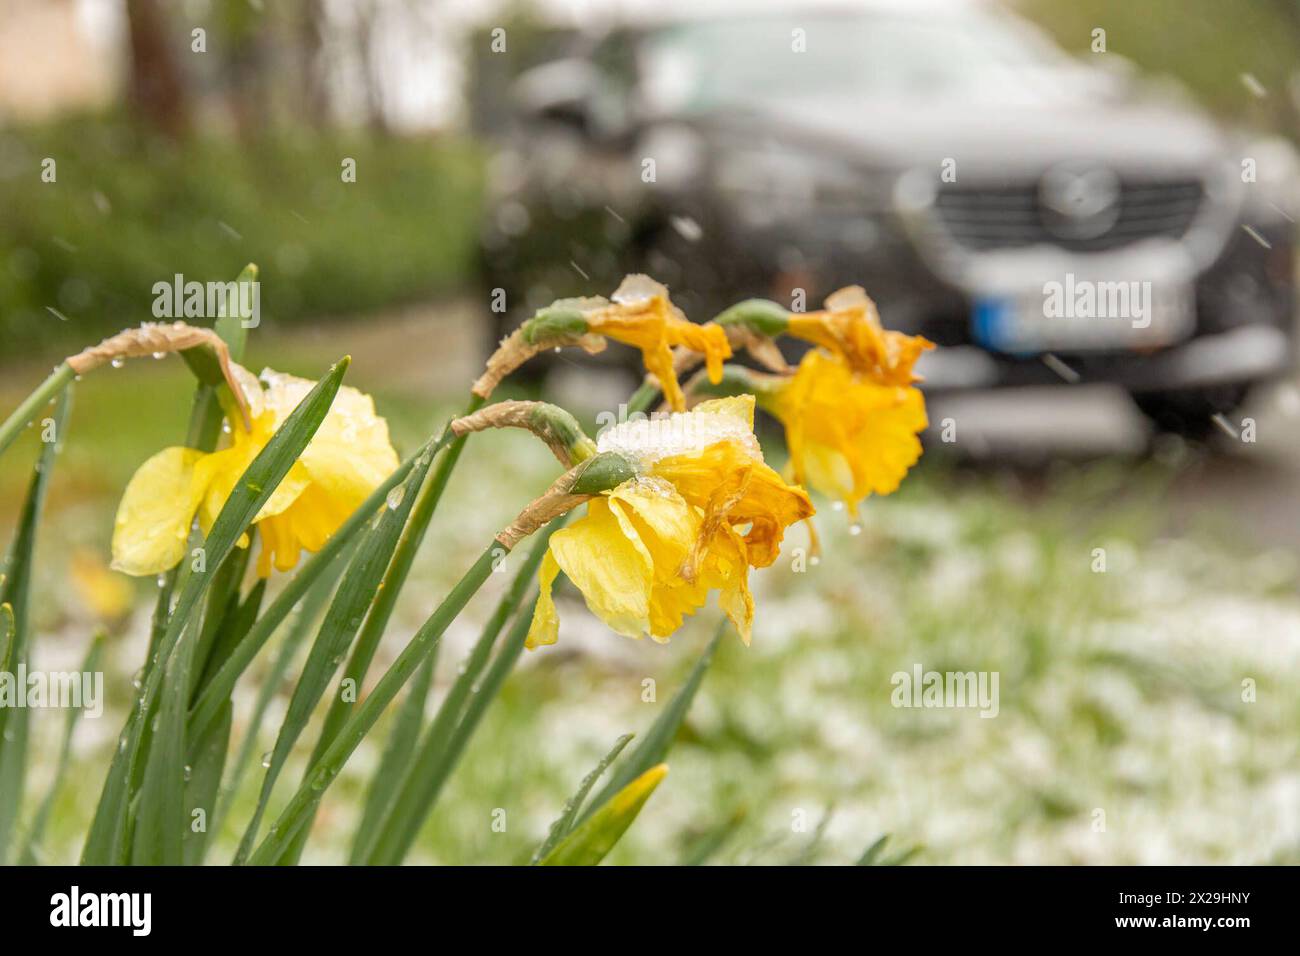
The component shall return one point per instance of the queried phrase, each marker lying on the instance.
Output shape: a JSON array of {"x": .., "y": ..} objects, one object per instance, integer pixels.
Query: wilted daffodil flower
[
  {"x": 851, "y": 410},
  {"x": 349, "y": 456},
  {"x": 850, "y": 328},
  {"x": 701, "y": 509},
  {"x": 639, "y": 314}
]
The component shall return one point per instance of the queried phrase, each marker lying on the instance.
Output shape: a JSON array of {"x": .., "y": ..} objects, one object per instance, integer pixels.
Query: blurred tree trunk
[
  {"x": 370, "y": 79},
  {"x": 245, "y": 64},
  {"x": 311, "y": 41},
  {"x": 157, "y": 84}
]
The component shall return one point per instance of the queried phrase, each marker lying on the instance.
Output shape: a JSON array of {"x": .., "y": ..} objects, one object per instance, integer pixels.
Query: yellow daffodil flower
[
  {"x": 703, "y": 509},
  {"x": 850, "y": 328},
  {"x": 848, "y": 434},
  {"x": 347, "y": 458},
  {"x": 641, "y": 314}
]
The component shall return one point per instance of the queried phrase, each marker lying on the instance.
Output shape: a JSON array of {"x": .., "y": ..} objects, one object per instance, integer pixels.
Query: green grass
[{"x": 128, "y": 210}]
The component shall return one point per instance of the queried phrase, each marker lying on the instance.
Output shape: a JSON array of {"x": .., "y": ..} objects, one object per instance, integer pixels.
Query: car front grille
[{"x": 985, "y": 218}]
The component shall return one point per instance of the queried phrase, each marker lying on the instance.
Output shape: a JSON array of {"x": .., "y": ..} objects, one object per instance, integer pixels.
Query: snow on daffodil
[
  {"x": 640, "y": 314},
  {"x": 349, "y": 456},
  {"x": 702, "y": 509}
]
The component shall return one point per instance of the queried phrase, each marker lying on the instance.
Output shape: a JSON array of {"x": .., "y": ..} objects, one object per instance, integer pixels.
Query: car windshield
[{"x": 692, "y": 67}]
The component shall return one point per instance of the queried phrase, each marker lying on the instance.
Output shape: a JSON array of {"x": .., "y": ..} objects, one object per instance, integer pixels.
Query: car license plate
[{"x": 1084, "y": 315}]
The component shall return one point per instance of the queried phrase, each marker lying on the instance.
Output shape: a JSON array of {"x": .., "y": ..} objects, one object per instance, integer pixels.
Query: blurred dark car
[{"x": 1042, "y": 219}]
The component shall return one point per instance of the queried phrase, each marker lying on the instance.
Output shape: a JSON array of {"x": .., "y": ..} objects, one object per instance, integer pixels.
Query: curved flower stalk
[
  {"x": 152, "y": 338},
  {"x": 347, "y": 458},
  {"x": 553, "y": 425},
  {"x": 851, "y": 411},
  {"x": 639, "y": 313},
  {"x": 654, "y": 543}
]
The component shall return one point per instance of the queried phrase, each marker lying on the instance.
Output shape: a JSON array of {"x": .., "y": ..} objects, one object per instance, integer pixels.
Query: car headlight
[
  {"x": 769, "y": 185},
  {"x": 1270, "y": 170}
]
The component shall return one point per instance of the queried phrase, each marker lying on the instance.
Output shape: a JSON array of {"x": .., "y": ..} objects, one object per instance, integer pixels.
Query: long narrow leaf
[
  {"x": 217, "y": 690},
  {"x": 595, "y": 837},
  {"x": 873, "y": 852},
  {"x": 355, "y": 595},
  {"x": 8, "y": 631},
  {"x": 30, "y": 853},
  {"x": 564, "y": 823},
  {"x": 653, "y": 747},
  {"x": 15, "y": 591},
  {"x": 301, "y": 805},
  {"x": 381, "y": 611},
  {"x": 396, "y": 757},
  {"x": 457, "y": 716},
  {"x": 704, "y": 848},
  {"x": 159, "y": 832},
  {"x": 107, "y": 842},
  {"x": 203, "y": 767},
  {"x": 297, "y": 632}
]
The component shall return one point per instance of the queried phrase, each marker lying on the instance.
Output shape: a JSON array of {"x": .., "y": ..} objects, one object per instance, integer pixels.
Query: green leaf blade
[
  {"x": 568, "y": 817},
  {"x": 15, "y": 592},
  {"x": 654, "y": 745},
  {"x": 357, "y": 592},
  {"x": 107, "y": 840},
  {"x": 596, "y": 836}
]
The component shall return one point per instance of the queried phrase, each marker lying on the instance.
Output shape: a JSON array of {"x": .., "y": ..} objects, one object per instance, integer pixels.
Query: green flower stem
[
  {"x": 762, "y": 315},
  {"x": 26, "y": 412},
  {"x": 299, "y": 810},
  {"x": 643, "y": 398},
  {"x": 738, "y": 380}
]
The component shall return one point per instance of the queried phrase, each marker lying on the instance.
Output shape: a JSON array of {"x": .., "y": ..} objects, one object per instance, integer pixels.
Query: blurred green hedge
[{"x": 129, "y": 209}]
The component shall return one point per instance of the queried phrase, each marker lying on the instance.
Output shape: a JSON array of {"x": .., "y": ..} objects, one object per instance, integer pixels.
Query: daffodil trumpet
[
  {"x": 677, "y": 507},
  {"x": 347, "y": 457},
  {"x": 640, "y": 313}
]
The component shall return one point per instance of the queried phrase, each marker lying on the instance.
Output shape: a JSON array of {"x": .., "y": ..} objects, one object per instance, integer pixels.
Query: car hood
[{"x": 988, "y": 138}]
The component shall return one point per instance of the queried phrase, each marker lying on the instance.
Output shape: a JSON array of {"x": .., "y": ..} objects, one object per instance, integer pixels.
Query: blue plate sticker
[{"x": 991, "y": 323}]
